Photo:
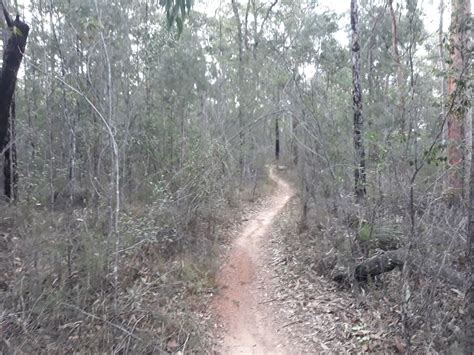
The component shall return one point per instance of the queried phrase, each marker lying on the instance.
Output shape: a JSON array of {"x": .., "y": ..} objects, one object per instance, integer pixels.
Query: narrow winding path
[{"x": 249, "y": 329}]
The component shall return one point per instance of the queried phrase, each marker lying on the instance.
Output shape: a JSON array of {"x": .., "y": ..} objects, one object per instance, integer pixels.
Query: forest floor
[{"x": 266, "y": 304}]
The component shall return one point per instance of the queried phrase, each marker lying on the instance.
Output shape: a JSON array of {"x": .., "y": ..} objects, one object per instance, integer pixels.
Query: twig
[
  {"x": 272, "y": 300},
  {"x": 291, "y": 323},
  {"x": 183, "y": 350}
]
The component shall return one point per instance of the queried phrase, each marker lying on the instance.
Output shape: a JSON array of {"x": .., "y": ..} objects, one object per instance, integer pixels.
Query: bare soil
[{"x": 249, "y": 326}]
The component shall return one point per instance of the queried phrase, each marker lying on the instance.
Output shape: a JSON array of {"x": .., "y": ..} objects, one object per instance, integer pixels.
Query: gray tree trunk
[
  {"x": 469, "y": 298},
  {"x": 240, "y": 39},
  {"x": 359, "y": 171}
]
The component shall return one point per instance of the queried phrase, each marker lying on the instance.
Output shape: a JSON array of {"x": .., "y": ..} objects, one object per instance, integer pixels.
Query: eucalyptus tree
[
  {"x": 457, "y": 94},
  {"x": 15, "y": 38},
  {"x": 359, "y": 171},
  {"x": 460, "y": 102}
]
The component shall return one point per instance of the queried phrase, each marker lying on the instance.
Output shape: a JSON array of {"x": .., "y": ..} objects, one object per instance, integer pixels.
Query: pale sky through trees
[{"x": 430, "y": 9}]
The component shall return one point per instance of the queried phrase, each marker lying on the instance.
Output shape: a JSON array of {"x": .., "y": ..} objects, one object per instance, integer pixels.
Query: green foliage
[
  {"x": 364, "y": 232},
  {"x": 16, "y": 31},
  {"x": 176, "y": 12},
  {"x": 436, "y": 155},
  {"x": 382, "y": 235}
]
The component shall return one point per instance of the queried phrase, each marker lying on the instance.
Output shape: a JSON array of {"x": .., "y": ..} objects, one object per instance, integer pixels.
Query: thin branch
[
  {"x": 93, "y": 316},
  {"x": 7, "y": 16},
  {"x": 267, "y": 16},
  {"x": 265, "y": 19}
]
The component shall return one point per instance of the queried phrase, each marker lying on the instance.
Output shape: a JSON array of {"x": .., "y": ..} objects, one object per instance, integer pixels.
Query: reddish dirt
[{"x": 249, "y": 327}]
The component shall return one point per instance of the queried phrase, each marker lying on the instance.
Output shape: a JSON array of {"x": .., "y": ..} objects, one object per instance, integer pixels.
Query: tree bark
[
  {"x": 277, "y": 138},
  {"x": 10, "y": 170},
  {"x": 457, "y": 96},
  {"x": 469, "y": 298},
  {"x": 240, "y": 40},
  {"x": 442, "y": 64},
  {"x": 294, "y": 144},
  {"x": 393, "y": 259},
  {"x": 380, "y": 264},
  {"x": 359, "y": 171},
  {"x": 400, "y": 81},
  {"x": 12, "y": 57}
]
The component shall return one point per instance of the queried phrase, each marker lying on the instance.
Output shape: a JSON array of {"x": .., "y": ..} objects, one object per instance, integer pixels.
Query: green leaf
[{"x": 16, "y": 31}]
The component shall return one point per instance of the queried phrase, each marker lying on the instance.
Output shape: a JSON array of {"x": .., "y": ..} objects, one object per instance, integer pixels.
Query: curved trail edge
[{"x": 249, "y": 328}]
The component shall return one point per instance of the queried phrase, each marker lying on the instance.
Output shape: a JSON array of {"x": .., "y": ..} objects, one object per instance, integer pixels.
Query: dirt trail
[{"x": 249, "y": 329}]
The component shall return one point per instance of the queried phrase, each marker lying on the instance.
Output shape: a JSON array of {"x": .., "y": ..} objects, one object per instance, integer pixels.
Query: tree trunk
[
  {"x": 10, "y": 171},
  {"x": 442, "y": 64},
  {"x": 294, "y": 129},
  {"x": 240, "y": 40},
  {"x": 457, "y": 96},
  {"x": 277, "y": 138},
  {"x": 469, "y": 298},
  {"x": 400, "y": 119},
  {"x": 12, "y": 57},
  {"x": 359, "y": 171}
]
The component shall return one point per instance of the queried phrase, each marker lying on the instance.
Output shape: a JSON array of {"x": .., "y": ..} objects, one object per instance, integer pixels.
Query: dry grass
[
  {"x": 377, "y": 316},
  {"x": 58, "y": 292}
]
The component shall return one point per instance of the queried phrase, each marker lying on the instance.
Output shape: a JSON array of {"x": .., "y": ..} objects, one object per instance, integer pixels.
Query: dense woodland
[{"x": 134, "y": 133}]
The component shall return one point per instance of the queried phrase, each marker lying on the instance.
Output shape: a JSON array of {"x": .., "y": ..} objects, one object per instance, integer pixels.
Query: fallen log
[
  {"x": 393, "y": 259},
  {"x": 380, "y": 264}
]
